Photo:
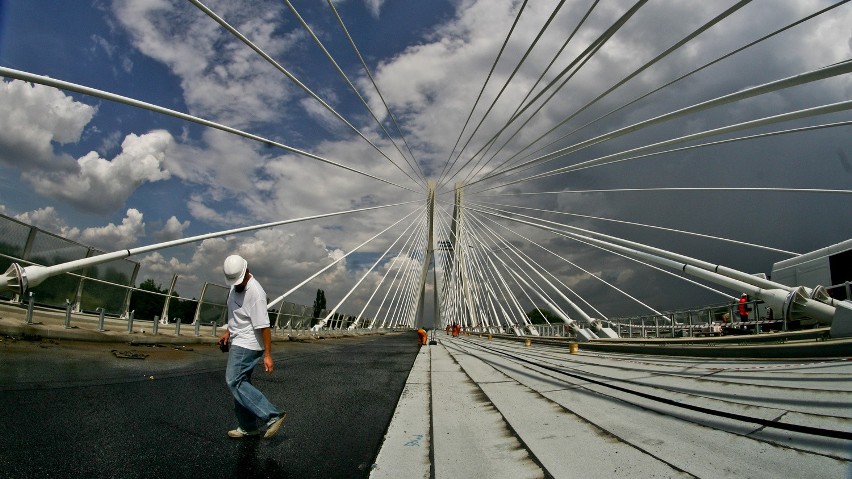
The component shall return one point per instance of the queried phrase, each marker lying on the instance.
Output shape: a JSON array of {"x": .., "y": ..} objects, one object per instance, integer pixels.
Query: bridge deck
[{"x": 479, "y": 408}]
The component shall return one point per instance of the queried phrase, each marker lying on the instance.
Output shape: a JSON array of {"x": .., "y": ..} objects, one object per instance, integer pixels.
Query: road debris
[{"x": 128, "y": 354}]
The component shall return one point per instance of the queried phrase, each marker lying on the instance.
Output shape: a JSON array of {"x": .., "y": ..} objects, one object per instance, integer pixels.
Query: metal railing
[
  {"x": 713, "y": 320},
  {"x": 108, "y": 290},
  {"x": 296, "y": 325}
]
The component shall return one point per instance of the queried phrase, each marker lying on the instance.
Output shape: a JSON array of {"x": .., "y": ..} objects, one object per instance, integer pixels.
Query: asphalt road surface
[{"x": 100, "y": 410}]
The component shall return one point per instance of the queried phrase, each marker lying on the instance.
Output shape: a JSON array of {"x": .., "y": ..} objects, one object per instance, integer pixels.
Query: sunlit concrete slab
[
  {"x": 500, "y": 409},
  {"x": 406, "y": 447},
  {"x": 566, "y": 444},
  {"x": 699, "y": 444},
  {"x": 471, "y": 439}
]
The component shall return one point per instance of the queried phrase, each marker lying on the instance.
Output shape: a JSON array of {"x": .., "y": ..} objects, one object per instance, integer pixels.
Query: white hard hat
[{"x": 235, "y": 269}]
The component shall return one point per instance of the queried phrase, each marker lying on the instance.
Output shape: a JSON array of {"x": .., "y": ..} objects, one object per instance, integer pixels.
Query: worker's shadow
[{"x": 250, "y": 466}]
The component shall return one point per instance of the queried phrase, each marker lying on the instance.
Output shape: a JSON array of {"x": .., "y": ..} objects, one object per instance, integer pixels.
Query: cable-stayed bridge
[
  {"x": 379, "y": 405},
  {"x": 582, "y": 179},
  {"x": 509, "y": 248}
]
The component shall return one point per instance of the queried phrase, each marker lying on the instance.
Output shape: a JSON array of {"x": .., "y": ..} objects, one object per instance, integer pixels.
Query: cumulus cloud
[
  {"x": 172, "y": 230},
  {"x": 222, "y": 163},
  {"x": 161, "y": 266},
  {"x": 101, "y": 185},
  {"x": 202, "y": 212},
  {"x": 108, "y": 238},
  {"x": 113, "y": 237},
  {"x": 32, "y": 119},
  {"x": 48, "y": 219},
  {"x": 280, "y": 258},
  {"x": 222, "y": 78},
  {"x": 267, "y": 252}
]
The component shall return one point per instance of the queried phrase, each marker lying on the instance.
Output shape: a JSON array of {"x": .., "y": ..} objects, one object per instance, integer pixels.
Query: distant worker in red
[
  {"x": 743, "y": 308},
  {"x": 456, "y": 330},
  {"x": 423, "y": 337}
]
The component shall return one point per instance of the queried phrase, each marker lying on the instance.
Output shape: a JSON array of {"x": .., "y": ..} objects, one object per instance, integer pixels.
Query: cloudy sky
[{"x": 114, "y": 176}]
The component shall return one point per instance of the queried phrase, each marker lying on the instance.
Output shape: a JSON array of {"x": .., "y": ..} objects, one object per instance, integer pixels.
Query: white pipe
[
  {"x": 64, "y": 85},
  {"x": 762, "y": 289},
  {"x": 18, "y": 279},
  {"x": 814, "y": 75}
]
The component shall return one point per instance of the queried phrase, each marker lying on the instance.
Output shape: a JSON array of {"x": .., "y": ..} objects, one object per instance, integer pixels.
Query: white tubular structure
[
  {"x": 584, "y": 334},
  {"x": 793, "y": 302},
  {"x": 18, "y": 279},
  {"x": 64, "y": 85}
]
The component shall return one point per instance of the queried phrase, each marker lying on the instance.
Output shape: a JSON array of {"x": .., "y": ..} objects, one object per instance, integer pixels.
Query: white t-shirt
[{"x": 247, "y": 315}]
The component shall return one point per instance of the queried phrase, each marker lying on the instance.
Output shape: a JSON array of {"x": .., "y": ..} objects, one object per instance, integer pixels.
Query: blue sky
[{"x": 114, "y": 176}]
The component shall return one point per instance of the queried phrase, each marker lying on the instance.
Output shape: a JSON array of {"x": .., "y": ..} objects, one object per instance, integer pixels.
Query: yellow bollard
[
  {"x": 528, "y": 342},
  {"x": 489, "y": 337},
  {"x": 573, "y": 348}
]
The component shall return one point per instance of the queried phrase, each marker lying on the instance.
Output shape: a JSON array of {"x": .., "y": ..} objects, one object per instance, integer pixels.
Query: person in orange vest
[
  {"x": 422, "y": 333},
  {"x": 743, "y": 308}
]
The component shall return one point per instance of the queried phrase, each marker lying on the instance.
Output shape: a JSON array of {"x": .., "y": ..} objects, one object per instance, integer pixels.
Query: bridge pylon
[
  {"x": 428, "y": 257},
  {"x": 460, "y": 244}
]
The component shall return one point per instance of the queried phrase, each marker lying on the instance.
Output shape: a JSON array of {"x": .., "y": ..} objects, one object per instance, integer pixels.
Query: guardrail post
[
  {"x": 198, "y": 327},
  {"x": 657, "y": 326},
  {"x": 101, "y": 319},
  {"x": 30, "y": 309},
  {"x": 213, "y": 324},
  {"x": 156, "y": 325},
  {"x": 278, "y": 321},
  {"x": 689, "y": 322},
  {"x": 673, "y": 324},
  {"x": 67, "y": 313},
  {"x": 130, "y": 321},
  {"x": 630, "y": 329},
  {"x": 177, "y": 326},
  {"x": 756, "y": 319}
]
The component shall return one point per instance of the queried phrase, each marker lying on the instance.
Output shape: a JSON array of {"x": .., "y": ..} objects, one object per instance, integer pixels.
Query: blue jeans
[{"x": 250, "y": 405}]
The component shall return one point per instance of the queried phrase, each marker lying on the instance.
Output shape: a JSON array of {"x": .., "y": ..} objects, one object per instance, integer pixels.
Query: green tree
[
  {"x": 319, "y": 305},
  {"x": 147, "y": 305},
  {"x": 538, "y": 315},
  {"x": 182, "y": 308}
]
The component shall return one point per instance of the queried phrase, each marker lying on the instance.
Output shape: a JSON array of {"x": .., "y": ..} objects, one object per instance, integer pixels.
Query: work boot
[
  {"x": 274, "y": 425},
  {"x": 240, "y": 433}
]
